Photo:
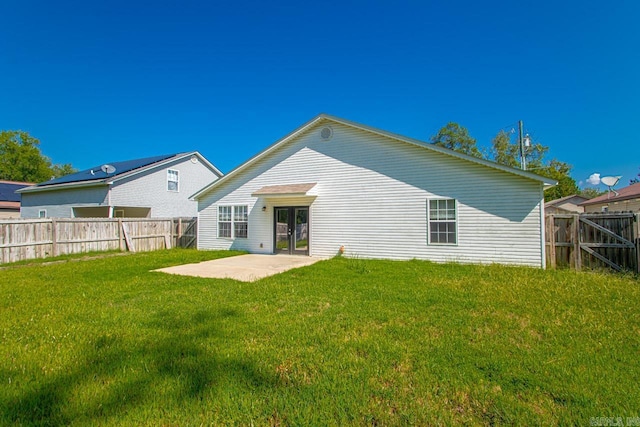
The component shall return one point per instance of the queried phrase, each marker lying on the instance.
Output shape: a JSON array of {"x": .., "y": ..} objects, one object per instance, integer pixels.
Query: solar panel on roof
[
  {"x": 96, "y": 173},
  {"x": 8, "y": 191}
]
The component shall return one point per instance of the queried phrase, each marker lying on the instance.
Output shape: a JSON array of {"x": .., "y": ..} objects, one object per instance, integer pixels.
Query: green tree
[
  {"x": 505, "y": 152},
  {"x": 21, "y": 159},
  {"x": 62, "y": 170},
  {"x": 635, "y": 180},
  {"x": 457, "y": 138},
  {"x": 560, "y": 171},
  {"x": 591, "y": 192}
]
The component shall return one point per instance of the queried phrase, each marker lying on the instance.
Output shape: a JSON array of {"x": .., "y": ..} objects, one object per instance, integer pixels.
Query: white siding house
[
  {"x": 152, "y": 187},
  {"x": 335, "y": 185}
]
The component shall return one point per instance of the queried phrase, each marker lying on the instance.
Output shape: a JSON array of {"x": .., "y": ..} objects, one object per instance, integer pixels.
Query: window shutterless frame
[
  {"x": 173, "y": 181},
  {"x": 442, "y": 221},
  {"x": 233, "y": 221}
]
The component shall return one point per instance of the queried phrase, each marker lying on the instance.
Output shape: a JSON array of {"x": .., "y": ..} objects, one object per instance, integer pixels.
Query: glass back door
[{"x": 292, "y": 230}]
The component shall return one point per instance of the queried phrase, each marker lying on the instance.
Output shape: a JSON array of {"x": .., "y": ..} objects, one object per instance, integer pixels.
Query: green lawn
[{"x": 341, "y": 342}]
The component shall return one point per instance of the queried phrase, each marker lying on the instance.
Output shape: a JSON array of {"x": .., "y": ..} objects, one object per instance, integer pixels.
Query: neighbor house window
[
  {"x": 442, "y": 219},
  {"x": 172, "y": 180},
  {"x": 233, "y": 221},
  {"x": 42, "y": 213}
]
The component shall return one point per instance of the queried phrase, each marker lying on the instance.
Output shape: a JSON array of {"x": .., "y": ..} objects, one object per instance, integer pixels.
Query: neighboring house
[
  {"x": 627, "y": 199},
  {"x": 151, "y": 187},
  {"x": 334, "y": 185},
  {"x": 9, "y": 199},
  {"x": 564, "y": 205}
]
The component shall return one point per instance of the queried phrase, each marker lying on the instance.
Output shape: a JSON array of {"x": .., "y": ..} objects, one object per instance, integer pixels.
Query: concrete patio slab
[{"x": 246, "y": 268}]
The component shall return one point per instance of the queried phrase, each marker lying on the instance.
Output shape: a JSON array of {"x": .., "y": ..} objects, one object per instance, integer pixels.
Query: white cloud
[{"x": 594, "y": 179}]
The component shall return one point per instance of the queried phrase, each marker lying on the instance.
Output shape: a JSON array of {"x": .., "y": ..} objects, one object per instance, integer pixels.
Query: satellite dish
[
  {"x": 108, "y": 169},
  {"x": 610, "y": 181}
]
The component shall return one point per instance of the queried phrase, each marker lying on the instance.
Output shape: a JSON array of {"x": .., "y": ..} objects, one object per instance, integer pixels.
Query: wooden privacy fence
[
  {"x": 607, "y": 240},
  {"x": 47, "y": 237}
]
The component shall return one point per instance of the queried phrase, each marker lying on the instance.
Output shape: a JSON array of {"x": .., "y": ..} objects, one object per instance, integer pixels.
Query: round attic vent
[
  {"x": 326, "y": 133},
  {"x": 194, "y": 159}
]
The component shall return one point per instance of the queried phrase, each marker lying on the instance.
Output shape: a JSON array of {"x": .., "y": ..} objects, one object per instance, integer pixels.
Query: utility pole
[{"x": 523, "y": 160}]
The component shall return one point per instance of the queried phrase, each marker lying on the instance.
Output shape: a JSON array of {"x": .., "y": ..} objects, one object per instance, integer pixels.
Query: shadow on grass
[{"x": 116, "y": 376}]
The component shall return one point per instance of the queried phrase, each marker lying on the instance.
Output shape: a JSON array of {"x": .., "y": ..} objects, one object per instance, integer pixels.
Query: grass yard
[{"x": 341, "y": 342}]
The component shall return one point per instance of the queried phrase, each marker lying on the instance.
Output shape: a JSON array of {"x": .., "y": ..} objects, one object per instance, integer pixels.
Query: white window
[
  {"x": 224, "y": 221},
  {"x": 42, "y": 213},
  {"x": 233, "y": 221},
  {"x": 172, "y": 180},
  {"x": 442, "y": 220},
  {"x": 240, "y": 221}
]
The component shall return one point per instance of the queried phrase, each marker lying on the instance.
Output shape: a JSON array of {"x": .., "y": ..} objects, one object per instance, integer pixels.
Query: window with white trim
[
  {"x": 240, "y": 221},
  {"x": 224, "y": 221},
  {"x": 443, "y": 221},
  {"x": 42, "y": 213},
  {"x": 172, "y": 180},
  {"x": 233, "y": 221}
]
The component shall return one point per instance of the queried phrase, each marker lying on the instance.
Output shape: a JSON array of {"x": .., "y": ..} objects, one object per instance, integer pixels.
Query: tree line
[
  {"x": 502, "y": 151},
  {"x": 22, "y": 160}
]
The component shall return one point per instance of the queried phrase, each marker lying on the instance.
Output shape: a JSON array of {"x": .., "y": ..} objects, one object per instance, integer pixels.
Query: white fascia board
[
  {"x": 208, "y": 163},
  {"x": 79, "y": 184},
  {"x": 166, "y": 162},
  {"x": 258, "y": 156}
]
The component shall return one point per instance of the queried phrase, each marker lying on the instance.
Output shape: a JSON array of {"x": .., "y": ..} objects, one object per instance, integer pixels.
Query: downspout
[
  {"x": 543, "y": 234},
  {"x": 110, "y": 215}
]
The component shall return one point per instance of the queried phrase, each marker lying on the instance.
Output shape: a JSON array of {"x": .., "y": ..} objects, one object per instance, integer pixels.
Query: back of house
[{"x": 335, "y": 186}]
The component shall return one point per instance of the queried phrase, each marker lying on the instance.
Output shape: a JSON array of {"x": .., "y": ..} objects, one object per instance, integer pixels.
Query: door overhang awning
[{"x": 288, "y": 190}]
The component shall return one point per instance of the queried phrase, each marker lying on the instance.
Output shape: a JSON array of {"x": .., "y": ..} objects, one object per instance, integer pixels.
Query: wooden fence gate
[{"x": 608, "y": 240}]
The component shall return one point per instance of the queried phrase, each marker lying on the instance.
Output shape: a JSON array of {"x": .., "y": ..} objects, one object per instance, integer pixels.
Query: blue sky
[{"x": 105, "y": 81}]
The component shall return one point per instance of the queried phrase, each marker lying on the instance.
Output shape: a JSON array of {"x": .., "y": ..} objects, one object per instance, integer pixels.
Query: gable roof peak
[
  {"x": 547, "y": 182},
  {"x": 98, "y": 175}
]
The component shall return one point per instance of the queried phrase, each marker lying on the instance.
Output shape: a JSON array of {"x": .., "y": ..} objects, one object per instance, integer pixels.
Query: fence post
[
  {"x": 179, "y": 232},
  {"x": 120, "y": 236},
  {"x": 168, "y": 236},
  {"x": 54, "y": 237},
  {"x": 551, "y": 239},
  {"x": 577, "y": 251},
  {"x": 637, "y": 240}
]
